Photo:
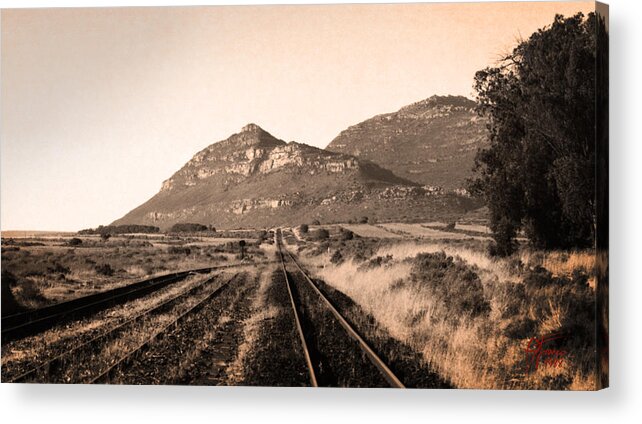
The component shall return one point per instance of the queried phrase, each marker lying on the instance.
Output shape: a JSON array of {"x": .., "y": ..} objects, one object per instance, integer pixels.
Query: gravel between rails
[
  {"x": 92, "y": 359},
  {"x": 198, "y": 350},
  {"x": 20, "y": 356},
  {"x": 277, "y": 356},
  {"x": 337, "y": 358}
]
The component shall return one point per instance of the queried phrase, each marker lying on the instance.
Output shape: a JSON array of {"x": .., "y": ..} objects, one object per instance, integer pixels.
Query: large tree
[{"x": 538, "y": 173}]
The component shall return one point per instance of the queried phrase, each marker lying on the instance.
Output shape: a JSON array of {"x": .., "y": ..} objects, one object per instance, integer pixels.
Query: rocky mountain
[
  {"x": 432, "y": 142},
  {"x": 253, "y": 179}
]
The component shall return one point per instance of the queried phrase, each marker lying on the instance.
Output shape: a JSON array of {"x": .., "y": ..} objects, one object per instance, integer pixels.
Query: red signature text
[{"x": 539, "y": 355}]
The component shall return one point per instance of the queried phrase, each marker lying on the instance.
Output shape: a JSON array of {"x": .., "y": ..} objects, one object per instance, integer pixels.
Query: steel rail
[
  {"x": 27, "y": 323},
  {"x": 387, "y": 373},
  {"x": 297, "y": 320},
  {"x": 105, "y": 376},
  {"x": 46, "y": 366},
  {"x": 22, "y": 325}
]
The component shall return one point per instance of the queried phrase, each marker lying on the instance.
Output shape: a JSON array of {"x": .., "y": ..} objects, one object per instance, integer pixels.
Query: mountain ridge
[
  {"x": 432, "y": 142},
  {"x": 253, "y": 179}
]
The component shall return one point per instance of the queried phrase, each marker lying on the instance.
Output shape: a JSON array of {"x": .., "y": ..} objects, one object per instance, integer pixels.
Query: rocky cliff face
[
  {"x": 254, "y": 151},
  {"x": 432, "y": 142},
  {"x": 253, "y": 179}
]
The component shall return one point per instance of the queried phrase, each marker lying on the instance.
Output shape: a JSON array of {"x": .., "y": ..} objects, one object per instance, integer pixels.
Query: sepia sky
[{"x": 99, "y": 106}]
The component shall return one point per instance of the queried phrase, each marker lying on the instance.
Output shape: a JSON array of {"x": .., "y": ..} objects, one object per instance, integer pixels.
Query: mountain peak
[
  {"x": 251, "y": 135},
  {"x": 252, "y": 128},
  {"x": 437, "y": 100}
]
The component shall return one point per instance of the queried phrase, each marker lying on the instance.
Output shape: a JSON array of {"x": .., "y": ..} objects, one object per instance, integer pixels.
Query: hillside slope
[{"x": 432, "y": 142}]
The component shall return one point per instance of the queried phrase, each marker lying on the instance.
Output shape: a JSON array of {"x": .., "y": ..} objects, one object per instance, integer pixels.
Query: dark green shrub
[
  {"x": 179, "y": 250},
  {"x": 522, "y": 328},
  {"x": 540, "y": 277},
  {"x": 337, "y": 257},
  {"x": 516, "y": 295},
  {"x": 104, "y": 269},
  {"x": 345, "y": 234},
  {"x": 74, "y": 242},
  {"x": 321, "y": 234},
  {"x": 121, "y": 229},
  {"x": 188, "y": 228},
  {"x": 376, "y": 262},
  {"x": 455, "y": 285},
  {"x": 9, "y": 303},
  {"x": 57, "y": 268}
]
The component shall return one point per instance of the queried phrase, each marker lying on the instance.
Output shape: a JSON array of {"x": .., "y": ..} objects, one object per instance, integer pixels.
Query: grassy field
[
  {"x": 367, "y": 230},
  {"x": 470, "y": 315},
  {"x": 426, "y": 232},
  {"x": 48, "y": 270}
]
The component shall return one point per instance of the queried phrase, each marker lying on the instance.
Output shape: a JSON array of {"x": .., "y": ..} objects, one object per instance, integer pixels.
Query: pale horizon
[{"x": 101, "y": 105}]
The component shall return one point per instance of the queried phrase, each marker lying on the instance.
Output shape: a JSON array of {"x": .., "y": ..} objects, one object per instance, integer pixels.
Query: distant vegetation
[
  {"x": 538, "y": 174},
  {"x": 120, "y": 229},
  {"x": 75, "y": 241},
  {"x": 190, "y": 228},
  {"x": 321, "y": 234}
]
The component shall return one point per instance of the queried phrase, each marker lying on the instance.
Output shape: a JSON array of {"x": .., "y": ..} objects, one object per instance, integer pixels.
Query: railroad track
[
  {"x": 55, "y": 369},
  {"x": 108, "y": 374},
  {"x": 27, "y": 323},
  {"x": 380, "y": 365},
  {"x": 299, "y": 327}
]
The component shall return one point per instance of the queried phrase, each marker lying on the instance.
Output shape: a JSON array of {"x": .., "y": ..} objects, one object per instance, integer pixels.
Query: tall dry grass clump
[{"x": 562, "y": 263}]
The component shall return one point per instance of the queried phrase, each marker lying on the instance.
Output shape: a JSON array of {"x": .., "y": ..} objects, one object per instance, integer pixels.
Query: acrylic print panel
[{"x": 404, "y": 195}]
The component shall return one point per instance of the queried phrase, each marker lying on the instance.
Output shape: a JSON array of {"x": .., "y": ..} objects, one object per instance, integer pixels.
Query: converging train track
[
  {"x": 321, "y": 343},
  {"x": 77, "y": 364},
  {"x": 27, "y": 323},
  {"x": 121, "y": 363}
]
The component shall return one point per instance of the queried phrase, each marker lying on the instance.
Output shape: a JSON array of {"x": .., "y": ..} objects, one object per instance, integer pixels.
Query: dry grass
[
  {"x": 421, "y": 231},
  {"x": 367, "y": 230},
  {"x": 251, "y": 327},
  {"x": 484, "y": 350},
  {"x": 562, "y": 263},
  {"x": 478, "y": 228}
]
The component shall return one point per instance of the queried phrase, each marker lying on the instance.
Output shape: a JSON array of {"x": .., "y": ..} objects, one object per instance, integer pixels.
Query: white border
[{"x": 620, "y": 403}]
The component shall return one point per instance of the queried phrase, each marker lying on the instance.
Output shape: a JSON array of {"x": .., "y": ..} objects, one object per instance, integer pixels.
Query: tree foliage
[
  {"x": 187, "y": 227},
  {"x": 121, "y": 229},
  {"x": 538, "y": 174}
]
